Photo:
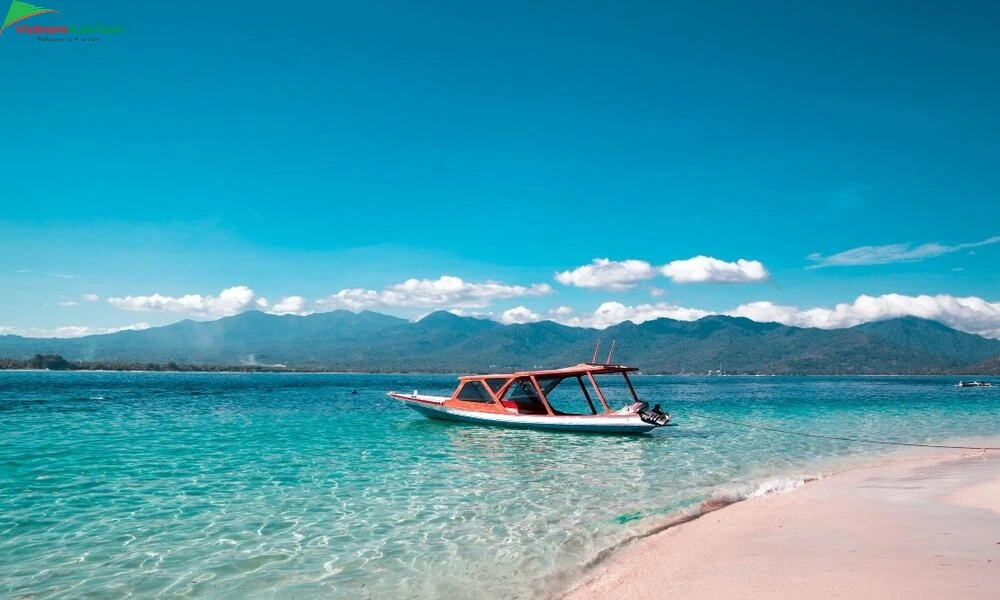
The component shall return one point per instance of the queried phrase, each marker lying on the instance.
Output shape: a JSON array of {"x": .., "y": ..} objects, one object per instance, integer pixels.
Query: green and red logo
[{"x": 20, "y": 11}]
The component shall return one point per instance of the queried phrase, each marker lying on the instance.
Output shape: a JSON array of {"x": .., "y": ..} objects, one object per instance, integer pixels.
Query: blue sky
[{"x": 345, "y": 149}]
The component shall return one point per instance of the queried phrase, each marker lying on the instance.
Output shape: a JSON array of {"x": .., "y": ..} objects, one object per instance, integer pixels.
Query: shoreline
[
  {"x": 858, "y": 532},
  {"x": 207, "y": 368}
]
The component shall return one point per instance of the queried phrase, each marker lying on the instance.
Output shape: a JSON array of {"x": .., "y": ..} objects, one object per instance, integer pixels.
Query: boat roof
[{"x": 580, "y": 369}]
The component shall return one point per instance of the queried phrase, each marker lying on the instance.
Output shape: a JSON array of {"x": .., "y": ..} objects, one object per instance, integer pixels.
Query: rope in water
[{"x": 841, "y": 438}]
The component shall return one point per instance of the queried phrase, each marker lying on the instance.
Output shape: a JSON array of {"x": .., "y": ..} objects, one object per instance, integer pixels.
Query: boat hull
[{"x": 613, "y": 424}]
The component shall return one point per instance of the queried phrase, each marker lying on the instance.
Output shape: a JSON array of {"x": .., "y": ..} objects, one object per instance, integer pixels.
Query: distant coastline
[{"x": 55, "y": 362}]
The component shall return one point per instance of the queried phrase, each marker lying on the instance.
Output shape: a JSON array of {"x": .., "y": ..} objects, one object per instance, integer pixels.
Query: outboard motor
[{"x": 653, "y": 417}]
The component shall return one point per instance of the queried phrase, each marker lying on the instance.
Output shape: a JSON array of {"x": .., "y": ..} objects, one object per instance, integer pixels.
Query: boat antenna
[
  {"x": 597, "y": 349},
  {"x": 608, "y": 362}
]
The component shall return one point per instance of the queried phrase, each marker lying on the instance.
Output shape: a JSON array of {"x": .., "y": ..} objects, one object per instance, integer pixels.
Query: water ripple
[{"x": 277, "y": 485}]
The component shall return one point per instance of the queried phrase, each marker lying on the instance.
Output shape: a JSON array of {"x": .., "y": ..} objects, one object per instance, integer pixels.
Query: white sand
[
  {"x": 985, "y": 496},
  {"x": 925, "y": 528}
]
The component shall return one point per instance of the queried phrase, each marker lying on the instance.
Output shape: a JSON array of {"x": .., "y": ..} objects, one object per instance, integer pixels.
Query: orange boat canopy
[{"x": 580, "y": 369}]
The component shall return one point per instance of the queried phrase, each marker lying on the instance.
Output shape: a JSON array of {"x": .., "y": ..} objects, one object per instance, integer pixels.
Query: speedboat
[
  {"x": 974, "y": 384},
  {"x": 567, "y": 399}
]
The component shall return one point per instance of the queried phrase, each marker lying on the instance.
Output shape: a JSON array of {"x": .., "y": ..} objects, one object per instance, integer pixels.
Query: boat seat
[{"x": 524, "y": 408}]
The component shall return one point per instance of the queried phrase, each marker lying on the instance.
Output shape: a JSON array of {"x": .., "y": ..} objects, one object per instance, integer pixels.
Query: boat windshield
[
  {"x": 572, "y": 394},
  {"x": 522, "y": 391},
  {"x": 569, "y": 396},
  {"x": 521, "y": 396},
  {"x": 575, "y": 394},
  {"x": 616, "y": 390},
  {"x": 496, "y": 383}
]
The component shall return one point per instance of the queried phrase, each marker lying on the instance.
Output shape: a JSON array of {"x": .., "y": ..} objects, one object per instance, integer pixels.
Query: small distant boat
[
  {"x": 974, "y": 384},
  {"x": 521, "y": 399}
]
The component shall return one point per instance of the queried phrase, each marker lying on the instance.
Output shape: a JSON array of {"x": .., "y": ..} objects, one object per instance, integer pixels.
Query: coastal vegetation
[{"x": 54, "y": 362}]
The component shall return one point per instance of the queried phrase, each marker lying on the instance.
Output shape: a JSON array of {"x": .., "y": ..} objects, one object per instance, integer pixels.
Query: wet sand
[{"x": 920, "y": 528}]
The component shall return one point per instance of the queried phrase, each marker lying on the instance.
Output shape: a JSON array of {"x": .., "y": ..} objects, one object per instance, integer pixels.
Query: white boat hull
[{"x": 433, "y": 407}]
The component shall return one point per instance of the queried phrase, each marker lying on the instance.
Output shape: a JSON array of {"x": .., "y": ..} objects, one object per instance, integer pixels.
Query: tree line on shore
[{"x": 55, "y": 362}]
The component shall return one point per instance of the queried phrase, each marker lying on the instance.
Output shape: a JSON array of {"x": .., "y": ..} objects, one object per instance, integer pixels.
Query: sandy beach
[{"x": 925, "y": 527}]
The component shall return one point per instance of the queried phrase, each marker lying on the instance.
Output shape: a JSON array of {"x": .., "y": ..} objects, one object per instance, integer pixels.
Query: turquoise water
[{"x": 278, "y": 485}]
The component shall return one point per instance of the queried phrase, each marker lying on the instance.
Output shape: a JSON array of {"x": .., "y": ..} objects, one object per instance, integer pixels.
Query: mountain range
[{"x": 443, "y": 342}]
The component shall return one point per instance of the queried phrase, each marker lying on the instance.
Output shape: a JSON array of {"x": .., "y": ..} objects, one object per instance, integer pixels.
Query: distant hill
[
  {"x": 932, "y": 338},
  {"x": 444, "y": 342},
  {"x": 990, "y": 366}
]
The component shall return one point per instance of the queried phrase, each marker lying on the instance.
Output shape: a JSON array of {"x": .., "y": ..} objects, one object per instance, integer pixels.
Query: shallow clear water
[{"x": 278, "y": 485}]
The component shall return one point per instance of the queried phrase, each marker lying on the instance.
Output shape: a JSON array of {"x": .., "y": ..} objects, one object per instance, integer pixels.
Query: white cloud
[
  {"x": 291, "y": 305},
  {"x": 769, "y": 312},
  {"x": 351, "y": 299},
  {"x": 68, "y": 303},
  {"x": 90, "y": 297},
  {"x": 612, "y": 313},
  {"x": 519, "y": 314},
  {"x": 608, "y": 274},
  {"x": 230, "y": 301},
  {"x": 891, "y": 253},
  {"x": 623, "y": 275},
  {"x": 445, "y": 292},
  {"x": 702, "y": 269},
  {"x": 561, "y": 312},
  {"x": 69, "y": 331},
  {"x": 970, "y": 314}
]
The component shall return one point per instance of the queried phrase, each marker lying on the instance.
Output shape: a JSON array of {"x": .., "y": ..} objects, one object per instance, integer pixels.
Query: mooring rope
[{"x": 840, "y": 438}]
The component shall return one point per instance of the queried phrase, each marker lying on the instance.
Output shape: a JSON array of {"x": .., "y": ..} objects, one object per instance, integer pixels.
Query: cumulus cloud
[
  {"x": 351, "y": 299},
  {"x": 970, "y": 314},
  {"x": 769, "y": 312},
  {"x": 608, "y": 274},
  {"x": 69, "y": 331},
  {"x": 891, "y": 253},
  {"x": 612, "y": 313},
  {"x": 519, "y": 314},
  {"x": 702, "y": 269},
  {"x": 90, "y": 297},
  {"x": 230, "y": 301},
  {"x": 561, "y": 312},
  {"x": 291, "y": 305},
  {"x": 445, "y": 292},
  {"x": 68, "y": 303}
]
